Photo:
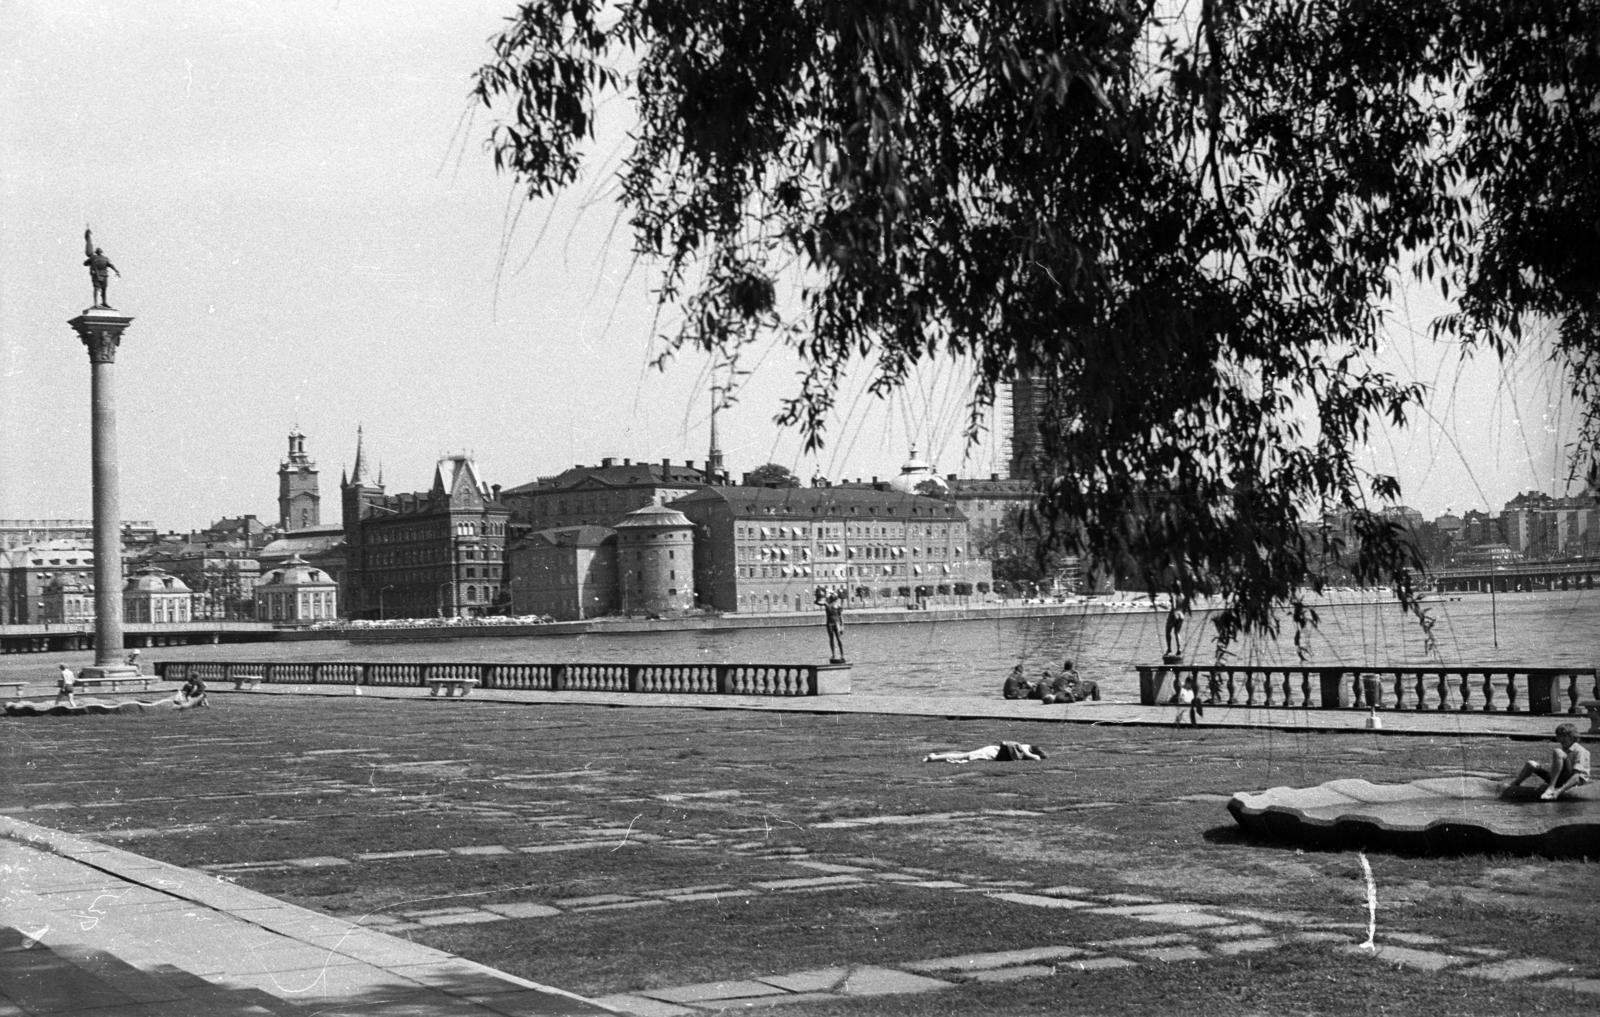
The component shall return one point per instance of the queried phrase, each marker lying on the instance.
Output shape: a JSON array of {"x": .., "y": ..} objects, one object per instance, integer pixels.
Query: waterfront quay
[{"x": 47, "y": 638}]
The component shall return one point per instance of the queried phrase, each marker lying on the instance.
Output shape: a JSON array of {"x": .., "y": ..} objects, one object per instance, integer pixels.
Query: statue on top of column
[{"x": 98, "y": 264}]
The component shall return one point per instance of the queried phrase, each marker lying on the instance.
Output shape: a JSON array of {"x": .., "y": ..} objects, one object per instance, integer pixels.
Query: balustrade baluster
[
  {"x": 1466, "y": 691},
  {"x": 1488, "y": 691},
  {"x": 1305, "y": 689},
  {"x": 1249, "y": 688},
  {"x": 1232, "y": 697},
  {"x": 1572, "y": 694},
  {"x": 1444, "y": 691},
  {"x": 1511, "y": 692},
  {"x": 1399, "y": 691},
  {"x": 1422, "y": 693}
]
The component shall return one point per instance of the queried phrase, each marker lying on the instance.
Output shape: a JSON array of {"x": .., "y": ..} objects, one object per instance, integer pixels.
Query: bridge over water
[
  {"x": 1569, "y": 574},
  {"x": 45, "y": 638}
]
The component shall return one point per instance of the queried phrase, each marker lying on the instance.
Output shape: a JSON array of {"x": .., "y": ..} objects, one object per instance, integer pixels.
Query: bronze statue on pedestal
[{"x": 98, "y": 264}]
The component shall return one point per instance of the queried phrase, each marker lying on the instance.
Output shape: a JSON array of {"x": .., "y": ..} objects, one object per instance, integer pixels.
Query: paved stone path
[
  {"x": 90, "y": 929},
  {"x": 1187, "y": 932}
]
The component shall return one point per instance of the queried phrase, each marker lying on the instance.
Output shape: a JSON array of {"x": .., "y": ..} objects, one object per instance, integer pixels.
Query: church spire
[{"x": 358, "y": 474}]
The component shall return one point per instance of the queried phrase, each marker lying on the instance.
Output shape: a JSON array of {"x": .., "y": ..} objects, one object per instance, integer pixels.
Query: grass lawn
[{"x": 580, "y": 807}]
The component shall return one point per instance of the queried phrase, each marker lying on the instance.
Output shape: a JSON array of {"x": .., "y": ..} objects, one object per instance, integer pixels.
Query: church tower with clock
[{"x": 298, "y": 499}]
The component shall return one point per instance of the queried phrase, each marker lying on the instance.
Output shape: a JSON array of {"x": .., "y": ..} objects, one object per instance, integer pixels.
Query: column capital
[{"x": 101, "y": 330}]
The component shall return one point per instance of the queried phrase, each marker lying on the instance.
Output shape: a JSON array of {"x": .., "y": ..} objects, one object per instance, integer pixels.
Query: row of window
[{"x": 420, "y": 555}]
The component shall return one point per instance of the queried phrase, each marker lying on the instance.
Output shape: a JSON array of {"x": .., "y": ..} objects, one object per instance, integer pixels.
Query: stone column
[{"x": 101, "y": 330}]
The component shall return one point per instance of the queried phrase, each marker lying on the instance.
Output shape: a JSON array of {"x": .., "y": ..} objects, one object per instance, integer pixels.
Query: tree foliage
[
  {"x": 772, "y": 475},
  {"x": 1183, "y": 221}
]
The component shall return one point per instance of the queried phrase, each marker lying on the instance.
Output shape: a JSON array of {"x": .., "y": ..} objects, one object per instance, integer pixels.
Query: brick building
[{"x": 434, "y": 553}]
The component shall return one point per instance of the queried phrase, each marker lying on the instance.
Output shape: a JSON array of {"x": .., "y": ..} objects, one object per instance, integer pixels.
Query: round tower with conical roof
[{"x": 655, "y": 561}]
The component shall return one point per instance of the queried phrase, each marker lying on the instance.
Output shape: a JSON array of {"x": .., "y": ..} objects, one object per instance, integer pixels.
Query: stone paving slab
[
  {"x": 522, "y": 910},
  {"x": 816, "y": 980},
  {"x": 706, "y": 991},
  {"x": 1013, "y": 974},
  {"x": 1098, "y": 964},
  {"x": 873, "y": 981},
  {"x": 1408, "y": 957},
  {"x": 144, "y": 917},
  {"x": 1169, "y": 954},
  {"x": 1521, "y": 967},
  {"x": 1040, "y": 901},
  {"x": 643, "y": 1006},
  {"x": 998, "y": 959},
  {"x": 1235, "y": 947},
  {"x": 768, "y": 1001}
]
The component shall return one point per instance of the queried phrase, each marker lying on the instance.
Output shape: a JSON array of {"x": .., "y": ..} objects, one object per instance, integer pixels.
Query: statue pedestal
[
  {"x": 119, "y": 671},
  {"x": 833, "y": 679},
  {"x": 1171, "y": 658}
]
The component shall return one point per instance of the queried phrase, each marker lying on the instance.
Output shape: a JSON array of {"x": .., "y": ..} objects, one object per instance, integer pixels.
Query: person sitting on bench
[
  {"x": 1568, "y": 767},
  {"x": 1005, "y": 752}
]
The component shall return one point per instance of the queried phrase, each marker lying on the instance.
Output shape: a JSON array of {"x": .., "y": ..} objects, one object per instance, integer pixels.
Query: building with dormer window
[
  {"x": 438, "y": 553},
  {"x": 761, "y": 549}
]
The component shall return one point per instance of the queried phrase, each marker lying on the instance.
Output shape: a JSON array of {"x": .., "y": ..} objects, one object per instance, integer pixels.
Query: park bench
[
  {"x": 452, "y": 686},
  {"x": 15, "y": 687},
  {"x": 246, "y": 681},
  {"x": 90, "y": 684},
  {"x": 1592, "y": 708}
]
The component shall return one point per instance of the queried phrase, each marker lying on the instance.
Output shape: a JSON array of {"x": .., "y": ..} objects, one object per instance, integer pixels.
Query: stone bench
[
  {"x": 246, "y": 681},
  {"x": 1592, "y": 708},
  {"x": 15, "y": 687},
  {"x": 452, "y": 686},
  {"x": 89, "y": 684}
]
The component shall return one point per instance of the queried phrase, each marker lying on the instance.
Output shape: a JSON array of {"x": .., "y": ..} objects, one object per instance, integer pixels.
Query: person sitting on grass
[
  {"x": 193, "y": 692},
  {"x": 1017, "y": 686},
  {"x": 1568, "y": 767},
  {"x": 1069, "y": 688},
  {"x": 1005, "y": 752}
]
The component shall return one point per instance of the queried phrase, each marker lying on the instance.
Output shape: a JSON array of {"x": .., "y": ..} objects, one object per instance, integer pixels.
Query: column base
[{"x": 126, "y": 672}]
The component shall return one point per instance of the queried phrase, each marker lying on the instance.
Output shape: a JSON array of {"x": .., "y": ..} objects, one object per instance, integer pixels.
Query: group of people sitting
[{"x": 1064, "y": 686}]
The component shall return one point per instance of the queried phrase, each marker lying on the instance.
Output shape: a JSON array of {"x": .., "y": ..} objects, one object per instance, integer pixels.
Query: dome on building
[
  {"x": 65, "y": 584},
  {"x": 153, "y": 580},
  {"x": 914, "y": 473},
  {"x": 654, "y": 517},
  {"x": 297, "y": 572}
]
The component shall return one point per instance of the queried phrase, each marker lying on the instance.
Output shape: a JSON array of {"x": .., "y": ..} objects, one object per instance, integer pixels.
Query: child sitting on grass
[{"x": 1568, "y": 767}]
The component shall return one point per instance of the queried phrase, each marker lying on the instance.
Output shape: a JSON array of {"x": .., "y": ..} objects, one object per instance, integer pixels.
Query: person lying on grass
[
  {"x": 1568, "y": 767},
  {"x": 1002, "y": 753}
]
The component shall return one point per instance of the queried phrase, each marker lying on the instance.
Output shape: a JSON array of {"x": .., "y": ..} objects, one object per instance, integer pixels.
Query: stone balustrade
[
  {"x": 1533, "y": 690},
  {"x": 706, "y": 679}
]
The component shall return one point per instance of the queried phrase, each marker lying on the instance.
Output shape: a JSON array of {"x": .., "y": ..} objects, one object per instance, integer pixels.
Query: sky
[{"x": 311, "y": 233}]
